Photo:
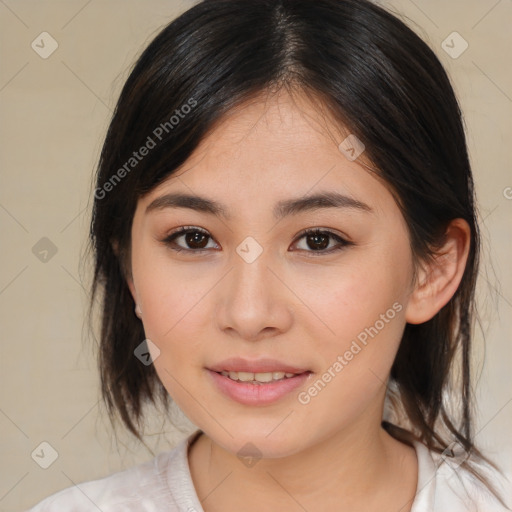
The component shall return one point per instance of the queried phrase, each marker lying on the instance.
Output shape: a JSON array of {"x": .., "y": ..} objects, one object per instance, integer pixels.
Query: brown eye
[
  {"x": 319, "y": 241},
  {"x": 194, "y": 239}
]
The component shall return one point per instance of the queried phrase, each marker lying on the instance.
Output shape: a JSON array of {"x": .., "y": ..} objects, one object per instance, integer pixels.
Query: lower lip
[{"x": 257, "y": 394}]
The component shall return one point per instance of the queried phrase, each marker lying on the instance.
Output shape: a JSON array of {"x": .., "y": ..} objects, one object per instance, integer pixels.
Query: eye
[
  {"x": 195, "y": 239},
  {"x": 318, "y": 240}
]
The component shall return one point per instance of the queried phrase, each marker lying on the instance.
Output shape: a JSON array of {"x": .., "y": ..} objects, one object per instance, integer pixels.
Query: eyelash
[{"x": 170, "y": 240}]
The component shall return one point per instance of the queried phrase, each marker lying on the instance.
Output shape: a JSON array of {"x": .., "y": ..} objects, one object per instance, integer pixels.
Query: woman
[{"x": 285, "y": 234}]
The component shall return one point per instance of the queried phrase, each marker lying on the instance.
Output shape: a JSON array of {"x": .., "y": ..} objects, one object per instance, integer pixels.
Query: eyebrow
[{"x": 282, "y": 209}]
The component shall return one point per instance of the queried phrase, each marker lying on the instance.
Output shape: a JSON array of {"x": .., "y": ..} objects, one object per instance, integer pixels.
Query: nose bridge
[
  {"x": 252, "y": 301},
  {"x": 251, "y": 275}
]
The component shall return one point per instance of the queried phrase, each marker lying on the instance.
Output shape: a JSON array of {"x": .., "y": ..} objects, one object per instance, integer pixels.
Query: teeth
[{"x": 257, "y": 377}]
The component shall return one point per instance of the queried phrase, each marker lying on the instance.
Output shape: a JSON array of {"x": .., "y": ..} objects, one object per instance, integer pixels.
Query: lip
[
  {"x": 263, "y": 365},
  {"x": 257, "y": 394}
]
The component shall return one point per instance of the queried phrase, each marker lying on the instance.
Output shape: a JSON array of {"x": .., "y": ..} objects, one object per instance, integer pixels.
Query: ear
[
  {"x": 129, "y": 280},
  {"x": 438, "y": 280}
]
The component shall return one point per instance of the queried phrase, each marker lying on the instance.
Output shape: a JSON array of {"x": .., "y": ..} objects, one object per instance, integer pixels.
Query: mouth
[
  {"x": 258, "y": 388},
  {"x": 258, "y": 378},
  {"x": 236, "y": 367}
]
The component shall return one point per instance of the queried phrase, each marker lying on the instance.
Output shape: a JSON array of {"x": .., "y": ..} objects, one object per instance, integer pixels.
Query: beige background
[{"x": 54, "y": 113}]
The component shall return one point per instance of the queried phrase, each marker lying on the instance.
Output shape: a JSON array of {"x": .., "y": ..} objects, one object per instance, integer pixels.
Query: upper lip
[{"x": 263, "y": 365}]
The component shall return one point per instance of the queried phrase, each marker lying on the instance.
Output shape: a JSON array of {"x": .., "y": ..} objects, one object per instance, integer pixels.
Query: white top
[{"x": 164, "y": 484}]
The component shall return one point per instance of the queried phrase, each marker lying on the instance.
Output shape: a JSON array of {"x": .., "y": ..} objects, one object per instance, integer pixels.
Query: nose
[{"x": 253, "y": 302}]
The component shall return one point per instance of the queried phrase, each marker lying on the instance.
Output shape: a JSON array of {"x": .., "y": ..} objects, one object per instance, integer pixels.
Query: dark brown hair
[{"x": 377, "y": 78}]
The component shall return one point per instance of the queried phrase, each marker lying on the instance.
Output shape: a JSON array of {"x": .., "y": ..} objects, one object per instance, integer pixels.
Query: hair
[{"x": 375, "y": 77}]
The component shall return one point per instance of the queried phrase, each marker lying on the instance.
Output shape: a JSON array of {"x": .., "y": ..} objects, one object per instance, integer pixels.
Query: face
[{"x": 242, "y": 288}]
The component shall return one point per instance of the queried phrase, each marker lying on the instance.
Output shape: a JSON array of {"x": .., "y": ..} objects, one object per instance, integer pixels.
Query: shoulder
[
  {"x": 444, "y": 484},
  {"x": 141, "y": 487}
]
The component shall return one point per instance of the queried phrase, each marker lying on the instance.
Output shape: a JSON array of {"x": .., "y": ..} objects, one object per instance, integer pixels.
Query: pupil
[
  {"x": 194, "y": 239},
  {"x": 316, "y": 240}
]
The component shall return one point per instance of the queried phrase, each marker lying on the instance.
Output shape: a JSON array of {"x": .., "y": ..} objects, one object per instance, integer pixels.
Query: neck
[{"x": 360, "y": 468}]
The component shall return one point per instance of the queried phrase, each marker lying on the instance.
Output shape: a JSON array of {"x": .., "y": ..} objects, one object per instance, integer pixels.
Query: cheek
[
  {"x": 354, "y": 298},
  {"x": 367, "y": 318},
  {"x": 363, "y": 306},
  {"x": 172, "y": 295},
  {"x": 173, "y": 316}
]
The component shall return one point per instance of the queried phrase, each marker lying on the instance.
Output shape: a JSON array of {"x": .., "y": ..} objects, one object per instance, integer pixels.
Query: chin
[{"x": 253, "y": 441}]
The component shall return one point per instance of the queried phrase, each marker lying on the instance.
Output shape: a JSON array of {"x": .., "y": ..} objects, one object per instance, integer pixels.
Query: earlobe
[
  {"x": 138, "y": 310},
  {"x": 439, "y": 279}
]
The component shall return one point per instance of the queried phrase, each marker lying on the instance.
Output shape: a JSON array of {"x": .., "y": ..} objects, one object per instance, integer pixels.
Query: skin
[{"x": 292, "y": 303}]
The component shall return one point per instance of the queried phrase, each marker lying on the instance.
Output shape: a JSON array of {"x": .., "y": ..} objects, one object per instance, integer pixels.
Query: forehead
[
  {"x": 271, "y": 147},
  {"x": 279, "y": 122}
]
